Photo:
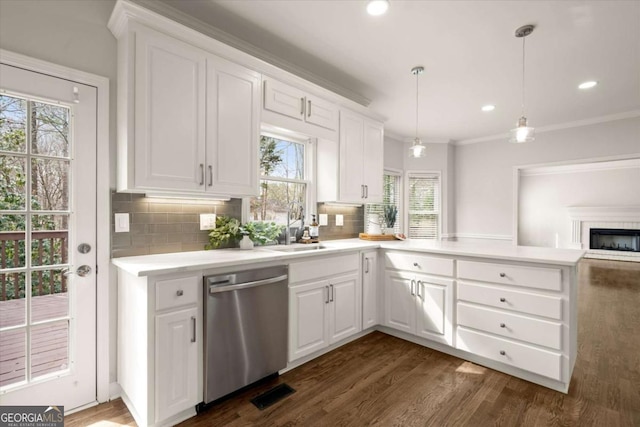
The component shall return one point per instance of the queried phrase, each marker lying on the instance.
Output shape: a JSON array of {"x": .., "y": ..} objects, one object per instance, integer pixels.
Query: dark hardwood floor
[{"x": 381, "y": 380}]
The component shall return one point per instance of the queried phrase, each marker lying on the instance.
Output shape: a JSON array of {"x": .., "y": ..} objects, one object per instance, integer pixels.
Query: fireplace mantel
[
  {"x": 585, "y": 218},
  {"x": 605, "y": 213}
]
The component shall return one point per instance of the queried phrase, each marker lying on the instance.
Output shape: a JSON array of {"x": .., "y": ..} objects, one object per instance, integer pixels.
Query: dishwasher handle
[{"x": 214, "y": 289}]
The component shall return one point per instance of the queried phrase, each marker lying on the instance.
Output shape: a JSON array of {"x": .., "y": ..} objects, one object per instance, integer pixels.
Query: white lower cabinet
[
  {"x": 420, "y": 305},
  {"x": 176, "y": 362},
  {"x": 160, "y": 346},
  {"x": 369, "y": 289},
  {"x": 325, "y": 306}
]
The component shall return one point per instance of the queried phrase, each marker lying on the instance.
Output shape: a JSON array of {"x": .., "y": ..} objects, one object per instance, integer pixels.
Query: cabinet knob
[
  {"x": 415, "y": 264},
  {"x": 503, "y": 299},
  {"x": 179, "y": 292},
  {"x": 502, "y": 275},
  {"x": 502, "y": 353},
  {"x": 502, "y": 325}
]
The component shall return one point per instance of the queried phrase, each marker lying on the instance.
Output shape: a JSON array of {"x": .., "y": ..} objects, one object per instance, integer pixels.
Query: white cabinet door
[
  {"x": 399, "y": 303},
  {"x": 176, "y": 362},
  {"x": 322, "y": 113},
  {"x": 170, "y": 94},
  {"x": 308, "y": 322},
  {"x": 344, "y": 307},
  {"x": 373, "y": 158},
  {"x": 351, "y": 146},
  {"x": 232, "y": 128},
  {"x": 433, "y": 310},
  {"x": 369, "y": 290},
  {"x": 284, "y": 99}
]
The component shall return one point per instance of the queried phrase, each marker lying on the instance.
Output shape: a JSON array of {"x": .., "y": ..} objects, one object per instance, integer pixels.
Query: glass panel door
[{"x": 35, "y": 169}]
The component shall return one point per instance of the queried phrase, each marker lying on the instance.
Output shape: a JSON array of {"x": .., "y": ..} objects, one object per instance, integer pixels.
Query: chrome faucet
[{"x": 287, "y": 231}]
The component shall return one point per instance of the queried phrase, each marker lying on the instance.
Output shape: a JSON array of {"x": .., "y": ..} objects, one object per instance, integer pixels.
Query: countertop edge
[{"x": 152, "y": 265}]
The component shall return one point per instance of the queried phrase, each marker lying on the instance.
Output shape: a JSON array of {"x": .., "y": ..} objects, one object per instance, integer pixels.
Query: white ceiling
[{"x": 469, "y": 52}]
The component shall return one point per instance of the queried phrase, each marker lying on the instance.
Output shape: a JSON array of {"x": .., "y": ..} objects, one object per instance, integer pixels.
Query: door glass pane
[
  {"x": 49, "y": 348},
  {"x": 12, "y": 302},
  {"x": 13, "y": 121},
  {"x": 50, "y": 130},
  {"x": 50, "y": 184},
  {"x": 49, "y": 239},
  {"x": 13, "y": 189},
  {"x": 49, "y": 295},
  {"x": 12, "y": 241},
  {"x": 12, "y": 356}
]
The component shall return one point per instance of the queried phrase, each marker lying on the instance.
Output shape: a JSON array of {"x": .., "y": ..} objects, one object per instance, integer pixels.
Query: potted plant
[
  {"x": 390, "y": 214},
  {"x": 229, "y": 232}
]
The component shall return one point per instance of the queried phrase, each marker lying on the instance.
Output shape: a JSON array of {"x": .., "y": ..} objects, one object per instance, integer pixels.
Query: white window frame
[
  {"x": 310, "y": 147},
  {"x": 422, "y": 173}
]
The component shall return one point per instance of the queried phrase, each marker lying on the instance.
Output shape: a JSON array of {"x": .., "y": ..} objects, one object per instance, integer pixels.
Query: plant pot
[
  {"x": 246, "y": 243},
  {"x": 388, "y": 231}
]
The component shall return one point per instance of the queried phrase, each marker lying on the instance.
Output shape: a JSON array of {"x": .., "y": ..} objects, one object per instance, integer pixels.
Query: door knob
[
  {"x": 84, "y": 248},
  {"x": 83, "y": 270}
]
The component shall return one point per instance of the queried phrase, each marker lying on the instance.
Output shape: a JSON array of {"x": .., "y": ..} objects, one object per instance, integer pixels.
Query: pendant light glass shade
[
  {"x": 523, "y": 133},
  {"x": 417, "y": 149}
]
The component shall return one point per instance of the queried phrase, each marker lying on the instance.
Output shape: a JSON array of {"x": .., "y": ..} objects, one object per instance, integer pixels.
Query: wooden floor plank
[{"x": 384, "y": 381}]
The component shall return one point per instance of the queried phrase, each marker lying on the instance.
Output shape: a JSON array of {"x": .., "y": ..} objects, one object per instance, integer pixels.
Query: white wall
[
  {"x": 484, "y": 171},
  {"x": 73, "y": 34},
  {"x": 543, "y": 218},
  {"x": 394, "y": 154}
]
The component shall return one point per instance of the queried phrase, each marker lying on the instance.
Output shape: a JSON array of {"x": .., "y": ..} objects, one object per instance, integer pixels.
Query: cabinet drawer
[
  {"x": 509, "y": 325},
  {"x": 177, "y": 292},
  {"x": 532, "y": 277},
  {"x": 409, "y": 261},
  {"x": 323, "y": 267},
  {"x": 523, "y": 302},
  {"x": 536, "y": 360}
]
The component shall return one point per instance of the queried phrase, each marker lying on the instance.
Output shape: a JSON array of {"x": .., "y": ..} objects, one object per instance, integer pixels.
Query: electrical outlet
[
  {"x": 207, "y": 221},
  {"x": 339, "y": 220},
  {"x": 122, "y": 222},
  {"x": 323, "y": 219}
]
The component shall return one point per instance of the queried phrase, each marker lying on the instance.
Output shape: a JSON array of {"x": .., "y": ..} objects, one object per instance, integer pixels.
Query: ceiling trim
[
  {"x": 561, "y": 126},
  {"x": 582, "y": 167},
  {"x": 174, "y": 14}
]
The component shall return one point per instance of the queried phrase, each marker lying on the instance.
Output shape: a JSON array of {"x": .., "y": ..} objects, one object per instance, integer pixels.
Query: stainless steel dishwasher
[{"x": 246, "y": 321}]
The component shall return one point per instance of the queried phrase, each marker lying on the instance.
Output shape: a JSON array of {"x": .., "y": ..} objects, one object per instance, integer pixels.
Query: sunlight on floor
[
  {"x": 106, "y": 424},
  {"x": 471, "y": 368}
]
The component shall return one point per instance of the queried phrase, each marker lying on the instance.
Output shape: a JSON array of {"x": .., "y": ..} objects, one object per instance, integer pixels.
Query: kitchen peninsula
[{"x": 509, "y": 308}]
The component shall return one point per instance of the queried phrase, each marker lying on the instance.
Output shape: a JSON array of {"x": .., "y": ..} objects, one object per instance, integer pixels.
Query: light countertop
[{"x": 147, "y": 265}]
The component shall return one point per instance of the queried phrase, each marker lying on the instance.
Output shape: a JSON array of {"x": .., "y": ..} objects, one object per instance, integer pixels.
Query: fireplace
[{"x": 611, "y": 239}]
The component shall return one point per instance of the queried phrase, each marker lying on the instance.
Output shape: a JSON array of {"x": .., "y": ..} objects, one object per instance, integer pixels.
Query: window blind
[
  {"x": 390, "y": 197},
  {"x": 424, "y": 206}
]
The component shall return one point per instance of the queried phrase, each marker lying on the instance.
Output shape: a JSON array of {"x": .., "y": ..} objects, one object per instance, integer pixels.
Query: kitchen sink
[{"x": 295, "y": 248}]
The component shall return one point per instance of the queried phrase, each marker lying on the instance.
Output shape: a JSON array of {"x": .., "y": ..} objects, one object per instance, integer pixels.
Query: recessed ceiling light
[
  {"x": 377, "y": 7},
  {"x": 588, "y": 85},
  {"x": 488, "y": 107}
]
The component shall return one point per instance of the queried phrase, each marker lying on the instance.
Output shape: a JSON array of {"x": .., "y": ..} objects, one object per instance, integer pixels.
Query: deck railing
[{"x": 48, "y": 247}]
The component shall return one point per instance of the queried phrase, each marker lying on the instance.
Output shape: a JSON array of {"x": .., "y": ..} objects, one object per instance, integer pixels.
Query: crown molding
[
  {"x": 200, "y": 26},
  {"x": 582, "y": 167},
  {"x": 560, "y": 126}
]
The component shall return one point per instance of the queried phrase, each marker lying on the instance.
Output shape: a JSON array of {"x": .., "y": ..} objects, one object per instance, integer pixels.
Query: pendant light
[
  {"x": 417, "y": 149},
  {"x": 523, "y": 133}
]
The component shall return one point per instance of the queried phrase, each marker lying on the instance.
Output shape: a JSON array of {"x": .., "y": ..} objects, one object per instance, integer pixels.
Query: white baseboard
[
  {"x": 115, "y": 391},
  {"x": 505, "y": 237}
]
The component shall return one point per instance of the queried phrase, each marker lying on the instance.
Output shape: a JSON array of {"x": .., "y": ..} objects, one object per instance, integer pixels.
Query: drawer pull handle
[
  {"x": 502, "y": 325},
  {"x": 502, "y": 353},
  {"x": 503, "y": 299},
  {"x": 179, "y": 292},
  {"x": 502, "y": 275}
]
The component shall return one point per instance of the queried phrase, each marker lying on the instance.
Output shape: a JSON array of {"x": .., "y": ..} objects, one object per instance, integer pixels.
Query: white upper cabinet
[
  {"x": 233, "y": 96},
  {"x": 170, "y": 116},
  {"x": 194, "y": 127},
  {"x": 301, "y": 106},
  {"x": 360, "y": 159}
]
